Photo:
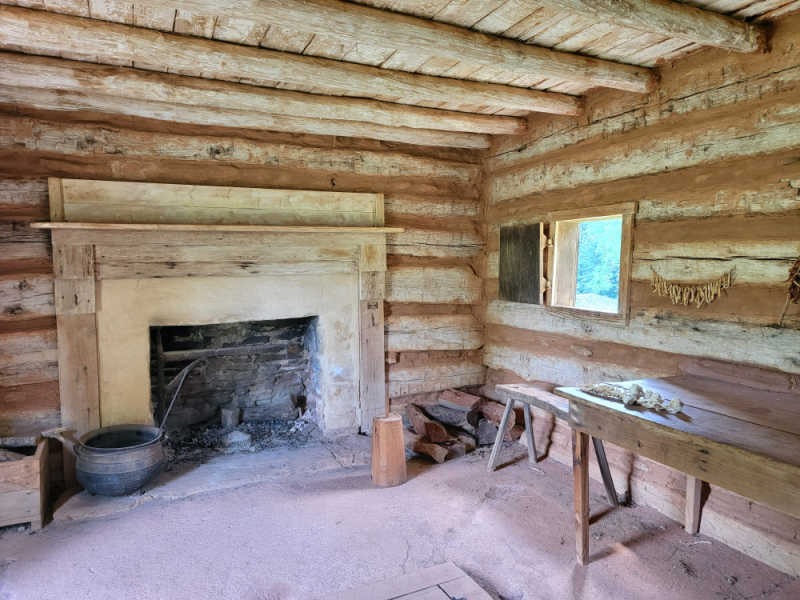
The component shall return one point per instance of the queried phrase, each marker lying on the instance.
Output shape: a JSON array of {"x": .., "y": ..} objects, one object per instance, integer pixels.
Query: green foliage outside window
[{"x": 598, "y": 264}]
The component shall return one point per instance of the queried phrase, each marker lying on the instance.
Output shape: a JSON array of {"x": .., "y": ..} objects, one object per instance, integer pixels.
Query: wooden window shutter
[{"x": 521, "y": 263}]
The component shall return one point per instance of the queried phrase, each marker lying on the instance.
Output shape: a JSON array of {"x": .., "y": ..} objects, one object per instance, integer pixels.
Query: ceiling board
[{"x": 529, "y": 21}]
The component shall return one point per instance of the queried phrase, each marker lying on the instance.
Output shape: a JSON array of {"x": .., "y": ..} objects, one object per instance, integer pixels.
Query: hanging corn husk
[
  {"x": 691, "y": 293},
  {"x": 793, "y": 293}
]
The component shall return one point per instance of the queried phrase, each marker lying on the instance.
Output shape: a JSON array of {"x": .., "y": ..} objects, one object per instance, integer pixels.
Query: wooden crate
[{"x": 23, "y": 488}]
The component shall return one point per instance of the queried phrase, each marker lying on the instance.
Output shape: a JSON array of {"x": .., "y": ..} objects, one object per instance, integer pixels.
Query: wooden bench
[
  {"x": 741, "y": 438},
  {"x": 532, "y": 395}
]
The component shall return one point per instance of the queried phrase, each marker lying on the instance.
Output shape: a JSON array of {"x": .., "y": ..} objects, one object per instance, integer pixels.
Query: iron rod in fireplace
[{"x": 183, "y": 355}]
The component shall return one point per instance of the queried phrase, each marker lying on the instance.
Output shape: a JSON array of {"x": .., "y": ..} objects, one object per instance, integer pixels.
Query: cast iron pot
[{"x": 118, "y": 460}]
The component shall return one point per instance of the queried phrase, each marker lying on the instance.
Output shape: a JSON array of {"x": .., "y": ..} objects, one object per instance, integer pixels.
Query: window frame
[{"x": 559, "y": 235}]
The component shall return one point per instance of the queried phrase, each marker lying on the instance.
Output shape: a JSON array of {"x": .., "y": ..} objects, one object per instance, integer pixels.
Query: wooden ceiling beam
[
  {"x": 673, "y": 19},
  {"x": 25, "y": 71},
  {"x": 89, "y": 40},
  {"x": 354, "y": 24},
  {"x": 57, "y": 100}
]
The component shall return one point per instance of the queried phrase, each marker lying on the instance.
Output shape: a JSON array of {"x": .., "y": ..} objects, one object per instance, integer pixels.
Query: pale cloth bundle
[{"x": 634, "y": 394}]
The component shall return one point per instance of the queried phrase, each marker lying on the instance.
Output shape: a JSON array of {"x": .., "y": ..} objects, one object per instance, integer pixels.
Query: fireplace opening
[{"x": 256, "y": 388}]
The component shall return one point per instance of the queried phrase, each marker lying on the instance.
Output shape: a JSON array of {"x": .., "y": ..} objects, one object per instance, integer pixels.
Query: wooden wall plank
[
  {"x": 438, "y": 285},
  {"x": 25, "y": 410},
  {"x": 430, "y": 206},
  {"x": 27, "y": 357},
  {"x": 25, "y": 296},
  {"x": 433, "y": 332},
  {"x": 435, "y": 242},
  {"x": 769, "y": 126},
  {"x": 434, "y": 376},
  {"x": 111, "y": 84},
  {"x": 87, "y": 140},
  {"x": 766, "y": 346},
  {"x": 132, "y": 202}
]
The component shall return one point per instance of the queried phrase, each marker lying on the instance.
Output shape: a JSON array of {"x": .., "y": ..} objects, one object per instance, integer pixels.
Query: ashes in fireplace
[{"x": 264, "y": 372}]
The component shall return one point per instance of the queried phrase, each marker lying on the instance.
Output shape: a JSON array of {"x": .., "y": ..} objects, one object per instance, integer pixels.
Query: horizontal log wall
[
  {"x": 713, "y": 160},
  {"x": 28, "y": 366},
  {"x": 432, "y": 282}
]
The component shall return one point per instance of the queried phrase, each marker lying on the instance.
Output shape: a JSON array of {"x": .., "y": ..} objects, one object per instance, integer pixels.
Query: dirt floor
[{"x": 293, "y": 524}]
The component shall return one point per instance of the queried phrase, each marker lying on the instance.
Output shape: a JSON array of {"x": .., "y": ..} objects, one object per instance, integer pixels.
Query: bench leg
[
  {"x": 529, "y": 437},
  {"x": 580, "y": 474},
  {"x": 608, "y": 481},
  {"x": 498, "y": 441},
  {"x": 694, "y": 489}
]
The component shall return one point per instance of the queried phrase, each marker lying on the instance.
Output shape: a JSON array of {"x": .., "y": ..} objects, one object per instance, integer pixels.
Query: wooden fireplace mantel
[{"x": 164, "y": 236}]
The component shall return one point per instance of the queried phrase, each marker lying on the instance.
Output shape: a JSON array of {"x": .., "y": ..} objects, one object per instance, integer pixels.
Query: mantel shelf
[{"x": 165, "y": 227}]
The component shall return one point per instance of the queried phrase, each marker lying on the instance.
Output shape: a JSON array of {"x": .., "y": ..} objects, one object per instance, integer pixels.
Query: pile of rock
[{"x": 456, "y": 424}]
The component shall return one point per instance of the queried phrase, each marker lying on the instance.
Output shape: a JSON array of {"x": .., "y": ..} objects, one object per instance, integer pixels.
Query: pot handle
[{"x": 64, "y": 435}]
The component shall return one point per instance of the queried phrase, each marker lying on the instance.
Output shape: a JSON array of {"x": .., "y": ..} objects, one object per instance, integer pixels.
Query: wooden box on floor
[{"x": 23, "y": 489}]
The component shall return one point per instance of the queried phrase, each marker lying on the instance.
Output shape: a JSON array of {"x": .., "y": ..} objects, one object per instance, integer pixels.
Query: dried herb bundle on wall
[
  {"x": 793, "y": 293},
  {"x": 691, "y": 293}
]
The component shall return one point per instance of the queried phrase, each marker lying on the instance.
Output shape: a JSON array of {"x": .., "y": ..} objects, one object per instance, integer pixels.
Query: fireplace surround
[{"x": 114, "y": 280}]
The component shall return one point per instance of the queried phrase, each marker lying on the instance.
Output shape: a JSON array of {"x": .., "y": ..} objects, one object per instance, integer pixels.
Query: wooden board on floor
[{"x": 440, "y": 582}]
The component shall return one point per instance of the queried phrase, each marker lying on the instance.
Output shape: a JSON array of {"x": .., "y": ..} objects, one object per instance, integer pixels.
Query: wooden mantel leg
[
  {"x": 694, "y": 488},
  {"x": 372, "y": 379},
  {"x": 78, "y": 362},
  {"x": 580, "y": 473}
]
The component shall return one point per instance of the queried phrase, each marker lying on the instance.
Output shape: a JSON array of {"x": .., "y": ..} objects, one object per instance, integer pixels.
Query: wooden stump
[{"x": 388, "y": 451}]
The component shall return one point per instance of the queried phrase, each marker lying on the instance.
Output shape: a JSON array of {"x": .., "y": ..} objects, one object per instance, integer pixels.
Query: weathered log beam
[
  {"x": 760, "y": 127},
  {"x": 673, "y": 19},
  {"x": 79, "y": 139},
  {"x": 433, "y": 285},
  {"x": 362, "y": 24},
  {"x": 39, "y": 32},
  {"x": 28, "y": 357},
  {"x": 434, "y": 376},
  {"x": 765, "y": 346},
  {"x": 19, "y": 70},
  {"x": 56, "y": 99},
  {"x": 433, "y": 332}
]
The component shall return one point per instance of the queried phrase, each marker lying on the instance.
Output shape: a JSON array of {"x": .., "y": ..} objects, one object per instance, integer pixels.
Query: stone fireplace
[
  {"x": 253, "y": 370},
  {"x": 131, "y": 306},
  {"x": 123, "y": 266}
]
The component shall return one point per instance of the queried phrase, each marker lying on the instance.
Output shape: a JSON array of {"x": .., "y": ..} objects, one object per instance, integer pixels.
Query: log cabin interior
[{"x": 315, "y": 299}]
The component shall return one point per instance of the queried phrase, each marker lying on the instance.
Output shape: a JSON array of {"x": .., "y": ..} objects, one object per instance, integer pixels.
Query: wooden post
[
  {"x": 373, "y": 400},
  {"x": 388, "y": 451},
  {"x": 580, "y": 473},
  {"x": 694, "y": 488}
]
